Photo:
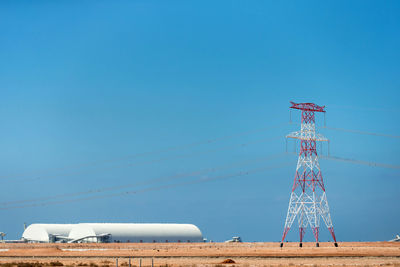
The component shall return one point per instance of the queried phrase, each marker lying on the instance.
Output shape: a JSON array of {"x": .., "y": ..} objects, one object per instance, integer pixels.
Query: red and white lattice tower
[{"x": 308, "y": 199}]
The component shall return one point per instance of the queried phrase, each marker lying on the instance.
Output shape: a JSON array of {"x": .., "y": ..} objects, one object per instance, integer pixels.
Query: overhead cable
[
  {"x": 155, "y": 188},
  {"x": 146, "y": 162},
  {"x": 138, "y": 155},
  {"x": 147, "y": 182},
  {"x": 362, "y": 162},
  {"x": 363, "y": 132},
  {"x": 357, "y": 131}
]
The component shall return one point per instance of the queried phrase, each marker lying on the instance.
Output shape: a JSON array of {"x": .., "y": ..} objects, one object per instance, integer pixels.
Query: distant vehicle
[
  {"x": 397, "y": 239},
  {"x": 235, "y": 239}
]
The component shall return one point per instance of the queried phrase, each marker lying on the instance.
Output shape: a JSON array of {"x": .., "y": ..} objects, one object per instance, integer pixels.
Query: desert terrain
[{"x": 201, "y": 254}]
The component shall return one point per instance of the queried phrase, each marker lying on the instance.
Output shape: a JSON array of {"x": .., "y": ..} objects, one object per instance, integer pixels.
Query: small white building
[
  {"x": 135, "y": 232},
  {"x": 46, "y": 233}
]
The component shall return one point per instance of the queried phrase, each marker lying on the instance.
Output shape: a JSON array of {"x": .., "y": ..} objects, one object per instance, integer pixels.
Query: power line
[
  {"x": 356, "y": 161},
  {"x": 201, "y": 180},
  {"x": 362, "y": 162},
  {"x": 189, "y": 174},
  {"x": 358, "y": 131},
  {"x": 370, "y": 108},
  {"x": 223, "y": 148},
  {"x": 147, "y": 182},
  {"x": 363, "y": 132},
  {"x": 157, "y": 151}
]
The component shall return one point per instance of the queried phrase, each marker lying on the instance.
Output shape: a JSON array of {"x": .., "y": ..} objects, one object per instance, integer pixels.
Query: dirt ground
[{"x": 201, "y": 254}]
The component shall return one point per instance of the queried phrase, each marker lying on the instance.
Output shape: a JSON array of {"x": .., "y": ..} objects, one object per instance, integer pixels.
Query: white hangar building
[
  {"x": 134, "y": 232},
  {"x": 113, "y": 232},
  {"x": 46, "y": 233}
]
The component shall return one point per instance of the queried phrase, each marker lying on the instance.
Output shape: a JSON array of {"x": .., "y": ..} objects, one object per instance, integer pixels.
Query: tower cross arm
[
  {"x": 307, "y": 136},
  {"x": 308, "y": 107}
]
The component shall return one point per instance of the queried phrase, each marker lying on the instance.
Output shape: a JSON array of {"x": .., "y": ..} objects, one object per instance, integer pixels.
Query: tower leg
[
  {"x": 302, "y": 232},
  {"x": 285, "y": 232},
  {"x": 333, "y": 236},
  {"x": 316, "y": 233}
]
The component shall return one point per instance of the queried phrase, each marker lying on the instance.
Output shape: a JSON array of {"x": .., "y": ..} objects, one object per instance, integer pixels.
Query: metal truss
[{"x": 308, "y": 200}]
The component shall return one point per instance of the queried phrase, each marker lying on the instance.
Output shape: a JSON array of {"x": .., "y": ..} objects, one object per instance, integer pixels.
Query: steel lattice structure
[{"x": 308, "y": 200}]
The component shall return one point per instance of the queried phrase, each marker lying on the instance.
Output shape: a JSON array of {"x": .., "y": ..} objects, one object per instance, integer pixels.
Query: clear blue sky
[{"x": 90, "y": 81}]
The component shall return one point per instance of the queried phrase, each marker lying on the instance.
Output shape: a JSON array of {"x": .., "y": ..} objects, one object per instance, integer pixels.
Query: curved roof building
[
  {"x": 134, "y": 232},
  {"x": 46, "y": 232}
]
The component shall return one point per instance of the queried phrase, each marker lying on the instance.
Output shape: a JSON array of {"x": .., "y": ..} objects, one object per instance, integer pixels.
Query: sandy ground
[{"x": 207, "y": 254}]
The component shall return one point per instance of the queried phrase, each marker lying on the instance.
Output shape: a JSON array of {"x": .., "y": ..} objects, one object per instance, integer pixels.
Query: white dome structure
[
  {"x": 45, "y": 233},
  {"x": 134, "y": 232}
]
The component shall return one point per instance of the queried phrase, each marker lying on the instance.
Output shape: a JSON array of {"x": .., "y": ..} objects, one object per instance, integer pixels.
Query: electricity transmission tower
[{"x": 308, "y": 200}]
